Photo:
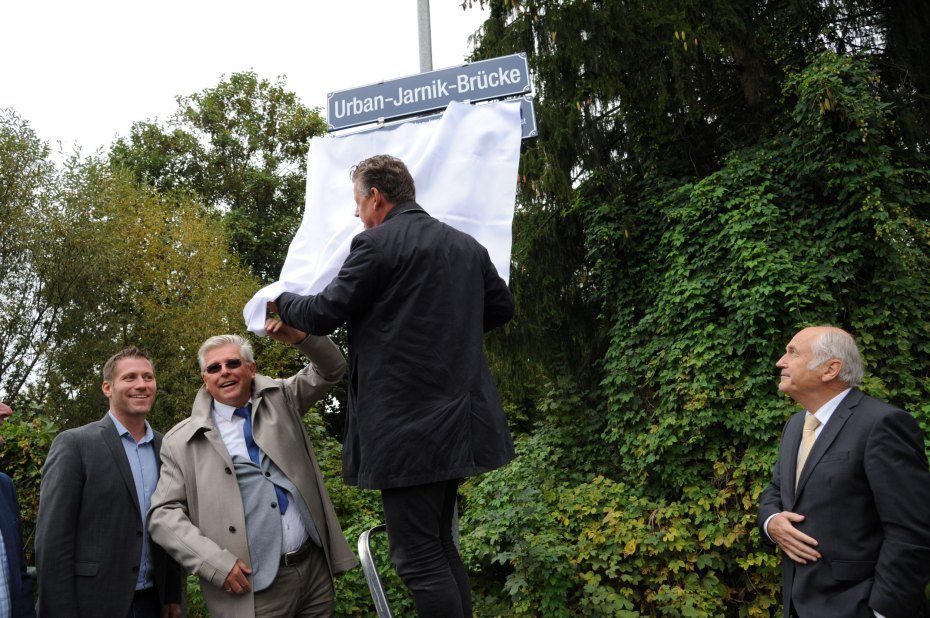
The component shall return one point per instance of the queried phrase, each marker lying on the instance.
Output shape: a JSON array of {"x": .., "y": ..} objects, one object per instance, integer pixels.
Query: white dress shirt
[{"x": 232, "y": 430}]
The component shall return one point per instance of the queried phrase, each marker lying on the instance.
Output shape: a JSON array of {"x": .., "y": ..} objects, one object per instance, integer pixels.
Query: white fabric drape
[{"x": 465, "y": 168}]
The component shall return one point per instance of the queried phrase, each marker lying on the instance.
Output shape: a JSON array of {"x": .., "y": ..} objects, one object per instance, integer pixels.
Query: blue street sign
[{"x": 495, "y": 78}]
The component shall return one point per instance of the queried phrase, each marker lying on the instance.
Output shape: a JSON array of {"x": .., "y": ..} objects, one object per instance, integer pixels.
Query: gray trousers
[{"x": 304, "y": 589}]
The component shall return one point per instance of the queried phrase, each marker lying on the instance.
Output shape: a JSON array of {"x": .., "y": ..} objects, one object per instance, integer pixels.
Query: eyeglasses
[{"x": 232, "y": 363}]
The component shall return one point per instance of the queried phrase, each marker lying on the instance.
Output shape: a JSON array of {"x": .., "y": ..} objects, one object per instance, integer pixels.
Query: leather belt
[{"x": 293, "y": 557}]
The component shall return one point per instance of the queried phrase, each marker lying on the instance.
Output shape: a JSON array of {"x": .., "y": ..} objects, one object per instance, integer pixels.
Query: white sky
[{"x": 82, "y": 71}]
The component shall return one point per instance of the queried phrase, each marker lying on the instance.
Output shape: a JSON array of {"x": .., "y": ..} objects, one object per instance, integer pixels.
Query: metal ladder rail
[{"x": 382, "y": 606}]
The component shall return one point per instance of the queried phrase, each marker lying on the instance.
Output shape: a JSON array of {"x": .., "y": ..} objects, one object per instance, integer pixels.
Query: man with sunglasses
[{"x": 241, "y": 502}]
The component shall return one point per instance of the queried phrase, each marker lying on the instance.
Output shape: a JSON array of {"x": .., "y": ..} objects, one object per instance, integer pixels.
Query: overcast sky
[{"x": 82, "y": 71}]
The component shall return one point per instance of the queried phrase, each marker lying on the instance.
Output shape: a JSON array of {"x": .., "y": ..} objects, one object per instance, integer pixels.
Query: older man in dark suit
[
  {"x": 93, "y": 554},
  {"x": 849, "y": 497},
  {"x": 423, "y": 412}
]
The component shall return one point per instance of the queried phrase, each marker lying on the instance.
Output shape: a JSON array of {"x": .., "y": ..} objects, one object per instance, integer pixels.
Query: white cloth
[{"x": 465, "y": 169}]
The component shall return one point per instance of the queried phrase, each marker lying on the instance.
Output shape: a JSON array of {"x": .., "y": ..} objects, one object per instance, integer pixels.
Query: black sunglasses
[{"x": 232, "y": 363}]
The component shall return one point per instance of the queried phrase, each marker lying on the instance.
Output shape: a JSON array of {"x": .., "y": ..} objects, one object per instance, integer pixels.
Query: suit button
[
  {"x": 268, "y": 474},
  {"x": 138, "y": 533},
  {"x": 228, "y": 471},
  {"x": 232, "y": 528},
  {"x": 274, "y": 505}
]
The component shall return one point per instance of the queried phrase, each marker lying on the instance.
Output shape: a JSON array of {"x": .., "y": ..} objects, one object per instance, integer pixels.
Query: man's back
[{"x": 417, "y": 296}]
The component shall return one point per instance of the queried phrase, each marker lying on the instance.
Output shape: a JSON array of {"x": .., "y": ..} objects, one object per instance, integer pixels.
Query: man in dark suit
[
  {"x": 93, "y": 554},
  {"x": 16, "y": 586},
  {"x": 417, "y": 296},
  {"x": 849, "y": 497}
]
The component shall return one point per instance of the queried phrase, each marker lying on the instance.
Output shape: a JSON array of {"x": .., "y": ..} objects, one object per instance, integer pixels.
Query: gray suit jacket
[{"x": 89, "y": 530}]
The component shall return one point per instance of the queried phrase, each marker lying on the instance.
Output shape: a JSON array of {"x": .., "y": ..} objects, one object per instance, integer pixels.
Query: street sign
[
  {"x": 528, "y": 118},
  {"x": 527, "y": 121},
  {"x": 426, "y": 92}
]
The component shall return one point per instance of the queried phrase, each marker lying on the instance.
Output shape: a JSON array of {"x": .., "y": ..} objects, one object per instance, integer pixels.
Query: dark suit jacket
[
  {"x": 89, "y": 529},
  {"x": 865, "y": 494},
  {"x": 417, "y": 296},
  {"x": 20, "y": 584}
]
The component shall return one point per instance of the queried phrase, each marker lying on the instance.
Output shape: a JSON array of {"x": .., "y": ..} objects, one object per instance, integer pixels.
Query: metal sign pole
[{"x": 426, "y": 37}]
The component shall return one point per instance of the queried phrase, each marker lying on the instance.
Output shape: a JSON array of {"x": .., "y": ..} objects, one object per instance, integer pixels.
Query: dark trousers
[
  {"x": 419, "y": 529},
  {"x": 145, "y": 604}
]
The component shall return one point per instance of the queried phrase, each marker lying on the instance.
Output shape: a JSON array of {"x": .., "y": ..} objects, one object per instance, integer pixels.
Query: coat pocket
[
  {"x": 86, "y": 569},
  {"x": 852, "y": 570},
  {"x": 835, "y": 456}
]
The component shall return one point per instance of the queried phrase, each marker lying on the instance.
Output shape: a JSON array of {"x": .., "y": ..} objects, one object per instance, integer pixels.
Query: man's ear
[
  {"x": 831, "y": 370},
  {"x": 106, "y": 388}
]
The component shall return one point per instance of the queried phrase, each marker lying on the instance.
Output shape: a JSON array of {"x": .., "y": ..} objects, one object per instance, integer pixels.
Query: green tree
[
  {"x": 708, "y": 179},
  {"x": 29, "y": 305},
  {"x": 145, "y": 268},
  {"x": 241, "y": 146}
]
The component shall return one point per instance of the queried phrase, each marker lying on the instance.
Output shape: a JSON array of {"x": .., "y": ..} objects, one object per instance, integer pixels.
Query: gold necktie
[{"x": 811, "y": 423}]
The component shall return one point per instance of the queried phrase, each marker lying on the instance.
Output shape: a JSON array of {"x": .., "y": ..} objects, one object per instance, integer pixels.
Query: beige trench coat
[{"x": 197, "y": 514}]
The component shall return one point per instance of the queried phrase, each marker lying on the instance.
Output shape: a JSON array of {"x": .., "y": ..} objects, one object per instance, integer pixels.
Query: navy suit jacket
[
  {"x": 865, "y": 495},
  {"x": 20, "y": 583}
]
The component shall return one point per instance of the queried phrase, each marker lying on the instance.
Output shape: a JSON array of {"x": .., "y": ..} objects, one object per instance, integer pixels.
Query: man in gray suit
[
  {"x": 241, "y": 502},
  {"x": 93, "y": 554}
]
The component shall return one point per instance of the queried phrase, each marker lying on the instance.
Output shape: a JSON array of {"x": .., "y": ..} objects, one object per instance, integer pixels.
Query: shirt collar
[
  {"x": 224, "y": 411},
  {"x": 123, "y": 432},
  {"x": 826, "y": 410}
]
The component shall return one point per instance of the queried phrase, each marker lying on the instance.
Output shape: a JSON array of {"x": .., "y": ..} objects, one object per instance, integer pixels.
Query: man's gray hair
[
  {"x": 245, "y": 348},
  {"x": 388, "y": 174},
  {"x": 841, "y": 345}
]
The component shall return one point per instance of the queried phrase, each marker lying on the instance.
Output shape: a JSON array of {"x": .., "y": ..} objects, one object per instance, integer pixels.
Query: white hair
[
  {"x": 840, "y": 345},
  {"x": 245, "y": 348}
]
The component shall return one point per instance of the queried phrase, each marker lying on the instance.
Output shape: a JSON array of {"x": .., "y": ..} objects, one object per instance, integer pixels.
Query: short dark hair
[
  {"x": 130, "y": 352},
  {"x": 388, "y": 174}
]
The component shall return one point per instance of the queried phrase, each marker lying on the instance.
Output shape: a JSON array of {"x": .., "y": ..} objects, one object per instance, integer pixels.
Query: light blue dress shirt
[
  {"x": 6, "y": 603},
  {"x": 144, "y": 467}
]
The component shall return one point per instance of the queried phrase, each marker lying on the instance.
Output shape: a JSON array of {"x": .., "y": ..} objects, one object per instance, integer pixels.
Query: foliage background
[{"x": 709, "y": 178}]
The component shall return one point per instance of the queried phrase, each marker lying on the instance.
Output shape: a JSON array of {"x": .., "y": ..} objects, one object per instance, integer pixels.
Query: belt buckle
[{"x": 293, "y": 557}]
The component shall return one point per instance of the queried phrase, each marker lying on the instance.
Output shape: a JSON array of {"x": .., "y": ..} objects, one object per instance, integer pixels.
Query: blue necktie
[{"x": 245, "y": 414}]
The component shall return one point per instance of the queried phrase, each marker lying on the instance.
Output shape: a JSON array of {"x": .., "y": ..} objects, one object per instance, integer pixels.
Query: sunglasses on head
[{"x": 232, "y": 363}]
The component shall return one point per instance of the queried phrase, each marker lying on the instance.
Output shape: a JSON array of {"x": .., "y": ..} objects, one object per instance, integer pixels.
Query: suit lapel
[
  {"x": 263, "y": 422},
  {"x": 156, "y": 447},
  {"x": 828, "y": 434},
  {"x": 792, "y": 441},
  {"x": 113, "y": 441}
]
